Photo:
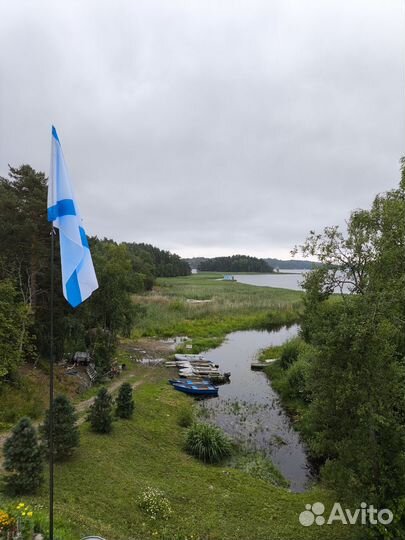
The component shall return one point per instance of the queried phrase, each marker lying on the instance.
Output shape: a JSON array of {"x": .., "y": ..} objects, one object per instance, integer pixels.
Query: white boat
[{"x": 189, "y": 357}]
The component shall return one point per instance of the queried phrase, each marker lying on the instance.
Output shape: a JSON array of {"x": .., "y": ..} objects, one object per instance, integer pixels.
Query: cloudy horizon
[{"x": 208, "y": 128}]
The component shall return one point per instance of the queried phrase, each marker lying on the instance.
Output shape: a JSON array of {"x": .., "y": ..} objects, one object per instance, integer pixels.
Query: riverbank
[{"x": 206, "y": 308}]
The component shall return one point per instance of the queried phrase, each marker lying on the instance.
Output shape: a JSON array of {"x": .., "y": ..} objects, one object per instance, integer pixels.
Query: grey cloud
[{"x": 208, "y": 127}]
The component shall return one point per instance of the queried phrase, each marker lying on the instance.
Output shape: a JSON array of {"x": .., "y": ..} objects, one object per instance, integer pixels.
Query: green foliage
[
  {"x": 23, "y": 459},
  {"x": 148, "y": 260},
  {"x": 15, "y": 323},
  {"x": 290, "y": 352},
  {"x": 356, "y": 418},
  {"x": 235, "y": 263},
  {"x": 100, "y": 413},
  {"x": 103, "y": 344},
  {"x": 110, "y": 307},
  {"x": 124, "y": 402},
  {"x": 297, "y": 380},
  {"x": 207, "y": 443},
  {"x": 65, "y": 432}
]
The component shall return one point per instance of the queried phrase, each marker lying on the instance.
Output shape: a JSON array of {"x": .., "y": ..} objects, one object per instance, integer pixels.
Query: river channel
[{"x": 248, "y": 408}]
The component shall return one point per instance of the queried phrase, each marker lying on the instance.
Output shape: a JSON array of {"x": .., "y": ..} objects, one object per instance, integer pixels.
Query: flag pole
[{"x": 51, "y": 390}]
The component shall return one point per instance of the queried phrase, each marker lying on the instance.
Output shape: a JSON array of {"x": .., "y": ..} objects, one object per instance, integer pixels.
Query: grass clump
[
  {"x": 185, "y": 417},
  {"x": 208, "y": 443},
  {"x": 259, "y": 466}
]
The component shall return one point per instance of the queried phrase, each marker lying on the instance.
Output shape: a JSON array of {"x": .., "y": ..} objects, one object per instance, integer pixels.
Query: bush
[
  {"x": 290, "y": 351},
  {"x": 207, "y": 443},
  {"x": 297, "y": 379},
  {"x": 65, "y": 432},
  {"x": 23, "y": 459},
  {"x": 154, "y": 503},
  {"x": 100, "y": 414},
  {"x": 125, "y": 403}
]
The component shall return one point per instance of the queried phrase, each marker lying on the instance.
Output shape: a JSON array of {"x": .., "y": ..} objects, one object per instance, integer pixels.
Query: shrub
[
  {"x": 290, "y": 352},
  {"x": 23, "y": 459},
  {"x": 207, "y": 443},
  {"x": 100, "y": 414},
  {"x": 125, "y": 404},
  {"x": 297, "y": 378},
  {"x": 65, "y": 432},
  {"x": 154, "y": 503}
]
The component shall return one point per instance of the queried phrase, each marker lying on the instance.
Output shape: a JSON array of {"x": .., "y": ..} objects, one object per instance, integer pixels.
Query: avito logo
[{"x": 366, "y": 514}]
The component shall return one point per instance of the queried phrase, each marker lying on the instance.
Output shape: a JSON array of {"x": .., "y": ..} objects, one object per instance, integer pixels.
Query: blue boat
[
  {"x": 189, "y": 381},
  {"x": 196, "y": 389}
]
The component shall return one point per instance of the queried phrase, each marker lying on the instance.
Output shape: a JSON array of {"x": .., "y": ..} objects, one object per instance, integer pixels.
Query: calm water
[
  {"x": 289, "y": 280},
  {"x": 248, "y": 408}
]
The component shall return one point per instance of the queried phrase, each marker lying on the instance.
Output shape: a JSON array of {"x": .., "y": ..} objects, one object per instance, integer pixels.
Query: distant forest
[
  {"x": 195, "y": 262},
  {"x": 235, "y": 263}
]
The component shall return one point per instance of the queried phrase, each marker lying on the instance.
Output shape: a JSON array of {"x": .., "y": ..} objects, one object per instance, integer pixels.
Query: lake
[
  {"x": 248, "y": 408},
  {"x": 289, "y": 279}
]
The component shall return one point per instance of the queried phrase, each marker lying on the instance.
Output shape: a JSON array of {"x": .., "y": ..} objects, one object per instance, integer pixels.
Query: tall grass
[
  {"x": 207, "y": 443},
  {"x": 227, "y": 306}
]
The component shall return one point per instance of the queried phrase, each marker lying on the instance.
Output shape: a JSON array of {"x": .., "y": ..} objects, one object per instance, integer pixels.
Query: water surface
[
  {"x": 289, "y": 279},
  {"x": 248, "y": 408}
]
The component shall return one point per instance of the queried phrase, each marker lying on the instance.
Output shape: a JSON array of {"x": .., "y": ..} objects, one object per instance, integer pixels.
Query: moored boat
[
  {"x": 203, "y": 382},
  {"x": 189, "y": 357},
  {"x": 196, "y": 389}
]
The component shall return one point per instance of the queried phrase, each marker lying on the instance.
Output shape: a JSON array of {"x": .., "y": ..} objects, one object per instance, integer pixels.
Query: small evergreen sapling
[
  {"x": 125, "y": 403},
  {"x": 65, "y": 432},
  {"x": 23, "y": 459},
  {"x": 100, "y": 414}
]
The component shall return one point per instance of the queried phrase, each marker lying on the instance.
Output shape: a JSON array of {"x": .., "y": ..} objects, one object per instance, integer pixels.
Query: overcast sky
[{"x": 208, "y": 127}]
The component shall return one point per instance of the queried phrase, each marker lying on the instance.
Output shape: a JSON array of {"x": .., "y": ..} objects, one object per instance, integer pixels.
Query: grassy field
[
  {"x": 97, "y": 491},
  {"x": 205, "y": 307}
]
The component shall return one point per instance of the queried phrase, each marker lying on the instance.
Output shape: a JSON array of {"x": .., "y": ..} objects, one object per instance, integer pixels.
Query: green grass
[
  {"x": 97, "y": 491},
  {"x": 221, "y": 307}
]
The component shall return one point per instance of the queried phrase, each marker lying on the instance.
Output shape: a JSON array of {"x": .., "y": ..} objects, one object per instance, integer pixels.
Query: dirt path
[
  {"x": 149, "y": 348},
  {"x": 84, "y": 405}
]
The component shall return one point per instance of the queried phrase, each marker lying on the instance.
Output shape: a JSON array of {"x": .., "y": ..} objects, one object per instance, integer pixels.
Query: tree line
[
  {"x": 122, "y": 269},
  {"x": 347, "y": 372},
  {"x": 235, "y": 263}
]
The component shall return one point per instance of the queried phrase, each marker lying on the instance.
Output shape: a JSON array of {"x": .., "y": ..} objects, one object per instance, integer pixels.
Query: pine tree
[
  {"x": 23, "y": 459},
  {"x": 125, "y": 403},
  {"x": 100, "y": 414},
  {"x": 65, "y": 431}
]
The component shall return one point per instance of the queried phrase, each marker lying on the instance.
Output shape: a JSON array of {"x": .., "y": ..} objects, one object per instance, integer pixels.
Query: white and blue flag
[{"x": 78, "y": 276}]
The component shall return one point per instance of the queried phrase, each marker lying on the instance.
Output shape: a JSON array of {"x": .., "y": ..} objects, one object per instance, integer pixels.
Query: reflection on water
[{"x": 248, "y": 408}]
